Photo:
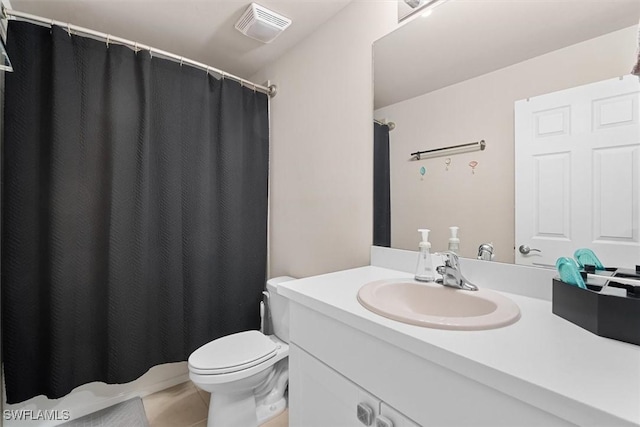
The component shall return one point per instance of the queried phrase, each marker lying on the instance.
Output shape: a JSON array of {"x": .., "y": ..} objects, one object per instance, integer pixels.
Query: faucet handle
[
  {"x": 450, "y": 259},
  {"x": 485, "y": 252},
  {"x": 451, "y": 274}
]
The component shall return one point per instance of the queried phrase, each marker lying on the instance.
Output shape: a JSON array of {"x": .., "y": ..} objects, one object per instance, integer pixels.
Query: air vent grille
[
  {"x": 244, "y": 21},
  {"x": 275, "y": 20},
  {"x": 262, "y": 24}
]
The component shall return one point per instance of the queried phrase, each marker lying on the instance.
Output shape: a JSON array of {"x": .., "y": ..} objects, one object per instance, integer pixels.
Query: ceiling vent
[{"x": 262, "y": 24}]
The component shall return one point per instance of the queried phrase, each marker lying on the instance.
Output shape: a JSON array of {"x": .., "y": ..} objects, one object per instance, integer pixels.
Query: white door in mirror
[{"x": 577, "y": 173}]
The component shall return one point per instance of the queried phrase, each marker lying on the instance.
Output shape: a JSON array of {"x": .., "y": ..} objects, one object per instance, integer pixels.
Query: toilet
[{"x": 247, "y": 373}]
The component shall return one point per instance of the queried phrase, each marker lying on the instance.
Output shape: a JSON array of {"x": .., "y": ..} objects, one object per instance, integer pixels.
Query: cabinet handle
[
  {"x": 382, "y": 421},
  {"x": 365, "y": 414}
]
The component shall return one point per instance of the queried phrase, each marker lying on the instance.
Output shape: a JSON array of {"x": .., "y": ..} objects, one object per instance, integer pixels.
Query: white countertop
[{"x": 539, "y": 356}]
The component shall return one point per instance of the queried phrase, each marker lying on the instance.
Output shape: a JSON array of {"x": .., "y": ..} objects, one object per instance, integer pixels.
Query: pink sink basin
[{"x": 435, "y": 306}]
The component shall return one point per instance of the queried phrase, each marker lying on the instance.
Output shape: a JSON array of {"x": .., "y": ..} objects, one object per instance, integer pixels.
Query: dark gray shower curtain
[
  {"x": 381, "y": 186},
  {"x": 134, "y": 211}
]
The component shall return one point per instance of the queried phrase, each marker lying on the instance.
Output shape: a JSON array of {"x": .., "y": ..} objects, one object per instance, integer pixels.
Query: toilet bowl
[{"x": 247, "y": 372}]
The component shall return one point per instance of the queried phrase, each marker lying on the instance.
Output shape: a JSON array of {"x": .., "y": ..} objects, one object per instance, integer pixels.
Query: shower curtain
[
  {"x": 134, "y": 211},
  {"x": 381, "y": 186}
]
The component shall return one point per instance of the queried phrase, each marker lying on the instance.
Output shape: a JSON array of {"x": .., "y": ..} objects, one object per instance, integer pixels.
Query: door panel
[
  {"x": 615, "y": 195},
  {"x": 552, "y": 195},
  {"x": 615, "y": 111}
]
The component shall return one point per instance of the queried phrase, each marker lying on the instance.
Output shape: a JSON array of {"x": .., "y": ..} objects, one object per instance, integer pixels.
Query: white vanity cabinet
[
  {"x": 334, "y": 367},
  {"x": 539, "y": 371},
  {"x": 321, "y": 397}
]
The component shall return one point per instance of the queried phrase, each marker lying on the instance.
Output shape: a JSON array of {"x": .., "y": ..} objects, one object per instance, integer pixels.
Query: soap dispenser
[
  {"x": 424, "y": 269},
  {"x": 454, "y": 242}
]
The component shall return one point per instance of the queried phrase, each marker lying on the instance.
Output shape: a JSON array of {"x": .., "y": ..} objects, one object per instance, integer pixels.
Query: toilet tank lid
[
  {"x": 236, "y": 350},
  {"x": 273, "y": 283}
]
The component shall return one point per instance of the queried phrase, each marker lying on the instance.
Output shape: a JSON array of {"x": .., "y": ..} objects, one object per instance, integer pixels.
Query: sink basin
[{"x": 435, "y": 306}]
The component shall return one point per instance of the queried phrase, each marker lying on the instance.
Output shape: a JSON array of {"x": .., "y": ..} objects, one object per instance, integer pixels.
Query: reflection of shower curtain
[
  {"x": 381, "y": 186},
  {"x": 134, "y": 211}
]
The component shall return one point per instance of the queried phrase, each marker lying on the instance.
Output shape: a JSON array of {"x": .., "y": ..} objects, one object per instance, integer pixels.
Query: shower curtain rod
[
  {"x": 391, "y": 125},
  {"x": 108, "y": 38}
]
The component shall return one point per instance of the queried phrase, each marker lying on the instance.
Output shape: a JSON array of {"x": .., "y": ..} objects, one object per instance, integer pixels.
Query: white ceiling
[
  {"x": 463, "y": 39},
  {"x": 202, "y": 30}
]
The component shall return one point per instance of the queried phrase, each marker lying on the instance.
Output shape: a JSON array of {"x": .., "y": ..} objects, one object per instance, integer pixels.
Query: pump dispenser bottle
[
  {"x": 424, "y": 269},
  {"x": 454, "y": 242}
]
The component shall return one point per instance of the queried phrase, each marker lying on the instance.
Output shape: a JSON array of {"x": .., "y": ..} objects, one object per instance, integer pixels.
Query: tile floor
[{"x": 185, "y": 405}]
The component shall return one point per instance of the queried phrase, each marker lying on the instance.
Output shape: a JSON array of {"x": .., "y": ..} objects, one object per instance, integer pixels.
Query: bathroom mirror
[{"x": 454, "y": 76}]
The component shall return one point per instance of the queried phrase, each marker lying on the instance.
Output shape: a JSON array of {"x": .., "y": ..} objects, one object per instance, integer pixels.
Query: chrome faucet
[
  {"x": 485, "y": 252},
  {"x": 451, "y": 274}
]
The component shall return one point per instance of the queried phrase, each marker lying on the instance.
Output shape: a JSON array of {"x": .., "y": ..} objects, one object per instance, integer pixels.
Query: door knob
[{"x": 525, "y": 250}]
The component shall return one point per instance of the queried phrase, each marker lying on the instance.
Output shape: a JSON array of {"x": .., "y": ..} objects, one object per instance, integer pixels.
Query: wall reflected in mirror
[{"x": 454, "y": 77}]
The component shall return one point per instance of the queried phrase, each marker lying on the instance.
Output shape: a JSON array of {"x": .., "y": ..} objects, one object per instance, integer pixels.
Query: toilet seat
[{"x": 232, "y": 353}]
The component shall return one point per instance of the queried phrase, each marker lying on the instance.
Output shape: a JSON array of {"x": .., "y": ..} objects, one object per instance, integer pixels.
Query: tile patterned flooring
[{"x": 185, "y": 405}]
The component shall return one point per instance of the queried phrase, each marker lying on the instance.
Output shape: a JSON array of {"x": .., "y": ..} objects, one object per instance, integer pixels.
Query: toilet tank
[{"x": 279, "y": 308}]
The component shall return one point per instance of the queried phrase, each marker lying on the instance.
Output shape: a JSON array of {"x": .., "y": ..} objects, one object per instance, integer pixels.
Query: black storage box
[{"x": 610, "y": 316}]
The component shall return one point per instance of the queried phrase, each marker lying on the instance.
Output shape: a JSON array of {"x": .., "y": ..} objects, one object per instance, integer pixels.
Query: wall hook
[
  {"x": 447, "y": 163},
  {"x": 473, "y": 165}
]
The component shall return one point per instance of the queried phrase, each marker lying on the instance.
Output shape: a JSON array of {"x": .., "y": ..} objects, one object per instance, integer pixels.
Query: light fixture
[
  {"x": 413, "y": 3},
  {"x": 422, "y": 7}
]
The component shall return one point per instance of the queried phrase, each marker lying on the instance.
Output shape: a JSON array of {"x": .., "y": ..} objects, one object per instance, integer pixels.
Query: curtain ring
[
  {"x": 108, "y": 37},
  {"x": 207, "y": 70},
  {"x": 69, "y": 29},
  {"x": 52, "y": 24},
  {"x": 222, "y": 74},
  {"x": 150, "y": 53},
  {"x": 181, "y": 60},
  {"x": 135, "y": 48}
]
